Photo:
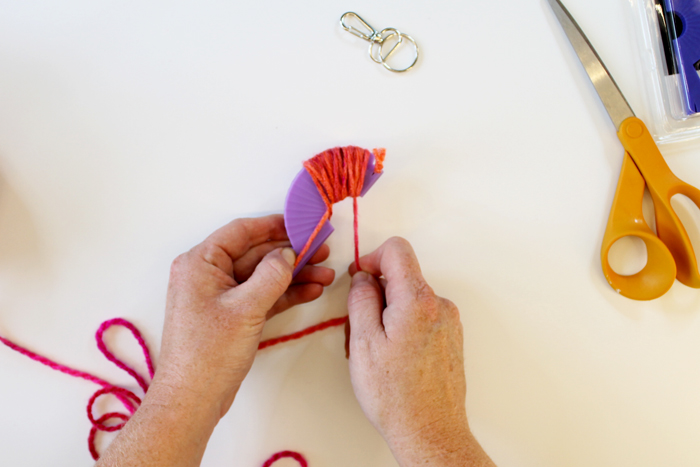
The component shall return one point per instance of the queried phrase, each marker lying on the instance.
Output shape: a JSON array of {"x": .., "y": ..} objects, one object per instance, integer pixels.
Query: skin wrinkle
[
  {"x": 281, "y": 277},
  {"x": 245, "y": 265},
  {"x": 227, "y": 282},
  {"x": 423, "y": 428},
  {"x": 215, "y": 255}
]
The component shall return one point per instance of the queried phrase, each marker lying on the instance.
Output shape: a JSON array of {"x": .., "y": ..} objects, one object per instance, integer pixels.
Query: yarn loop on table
[
  {"x": 286, "y": 454},
  {"x": 131, "y": 401}
]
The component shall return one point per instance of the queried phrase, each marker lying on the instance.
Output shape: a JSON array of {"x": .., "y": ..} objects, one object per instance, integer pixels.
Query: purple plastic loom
[{"x": 304, "y": 209}]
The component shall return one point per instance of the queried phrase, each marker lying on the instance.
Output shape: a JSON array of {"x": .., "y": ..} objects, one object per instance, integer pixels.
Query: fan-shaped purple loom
[{"x": 304, "y": 209}]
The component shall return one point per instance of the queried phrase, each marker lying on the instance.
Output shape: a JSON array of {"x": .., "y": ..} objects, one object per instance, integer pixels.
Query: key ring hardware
[{"x": 378, "y": 39}]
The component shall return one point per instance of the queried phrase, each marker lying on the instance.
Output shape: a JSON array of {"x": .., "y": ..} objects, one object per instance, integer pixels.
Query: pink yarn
[
  {"x": 129, "y": 400},
  {"x": 110, "y": 356},
  {"x": 280, "y": 455}
]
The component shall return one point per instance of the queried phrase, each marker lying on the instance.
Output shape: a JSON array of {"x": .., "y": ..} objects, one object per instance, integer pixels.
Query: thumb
[
  {"x": 270, "y": 279},
  {"x": 365, "y": 305}
]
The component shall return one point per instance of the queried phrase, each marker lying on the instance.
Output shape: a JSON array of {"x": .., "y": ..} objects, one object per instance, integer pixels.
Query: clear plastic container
[{"x": 668, "y": 33}]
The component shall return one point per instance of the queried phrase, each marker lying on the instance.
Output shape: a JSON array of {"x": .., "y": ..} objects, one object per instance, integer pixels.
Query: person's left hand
[{"x": 219, "y": 297}]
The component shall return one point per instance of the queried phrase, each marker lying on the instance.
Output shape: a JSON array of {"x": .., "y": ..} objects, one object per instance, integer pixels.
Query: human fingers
[
  {"x": 365, "y": 307},
  {"x": 271, "y": 278},
  {"x": 396, "y": 261},
  {"x": 240, "y": 235},
  {"x": 348, "y": 331},
  {"x": 321, "y": 255},
  {"x": 318, "y": 274},
  {"x": 245, "y": 265},
  {"x": 295, "y": 295}
]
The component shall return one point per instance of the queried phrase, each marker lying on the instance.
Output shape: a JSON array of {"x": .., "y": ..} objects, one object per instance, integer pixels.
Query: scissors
[{"x": 670, "y": 254}]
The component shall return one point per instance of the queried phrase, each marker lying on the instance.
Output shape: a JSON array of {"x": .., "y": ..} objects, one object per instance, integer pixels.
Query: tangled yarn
[{"x": 131, "y": 401}]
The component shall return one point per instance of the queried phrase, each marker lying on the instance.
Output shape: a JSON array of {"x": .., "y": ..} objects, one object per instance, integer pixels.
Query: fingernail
[
  {"x": 289, "y": 256},
  {"x": 361, "y": 276}
]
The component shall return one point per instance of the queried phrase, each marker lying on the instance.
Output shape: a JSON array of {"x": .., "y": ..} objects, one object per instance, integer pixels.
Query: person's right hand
[{"x": 406, "y": 361}]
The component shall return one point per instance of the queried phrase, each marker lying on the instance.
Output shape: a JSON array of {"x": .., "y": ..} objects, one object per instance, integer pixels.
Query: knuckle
[
  {"x": 213, "y": 254},
  {"x": 242, "y": 225},
  {"x": 425, "y": 293},
  {"x": 399, "y": 243},
  {"x": 400, "y": 252},
  {"x": 361, "y": 295},
  {"x": 450, "y": 308},
  {"x": 179, "y": 265},
  {"x": 428, "y": 301},
  {"x": 454, "y": 320},
  {"x": 180, "y": 272},
  {"x": 237, "y": 227},
  {"x": 208, "y": 251},
  {"x": 278, "y": 274},
  {"x": 360, "y": 344}
]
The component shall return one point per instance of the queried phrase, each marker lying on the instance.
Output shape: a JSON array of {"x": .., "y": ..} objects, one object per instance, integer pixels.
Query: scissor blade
[{"x": 613, "y": 100}]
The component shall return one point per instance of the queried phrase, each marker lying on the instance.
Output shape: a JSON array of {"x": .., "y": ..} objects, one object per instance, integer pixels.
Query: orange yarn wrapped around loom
[{"x": 339, "y": 173}]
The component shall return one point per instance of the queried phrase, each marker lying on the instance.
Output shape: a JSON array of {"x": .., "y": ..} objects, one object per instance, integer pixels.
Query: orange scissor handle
[
  {"x": 626, "y": 220},
  {"x": 670, "y": 254},
  {"x": 663, "y": 185}
]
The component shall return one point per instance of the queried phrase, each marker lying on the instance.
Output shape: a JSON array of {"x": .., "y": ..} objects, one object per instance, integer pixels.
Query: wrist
[
  {"x": 169, "y": 428},
  {"x": 456, "y": 447},
  {"x": 195, "y": 385},
  {"x": 198, "y": 403}
]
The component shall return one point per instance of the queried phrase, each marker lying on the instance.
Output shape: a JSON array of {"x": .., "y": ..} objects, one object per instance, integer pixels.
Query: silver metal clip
[{"x": 379, "y": 40}]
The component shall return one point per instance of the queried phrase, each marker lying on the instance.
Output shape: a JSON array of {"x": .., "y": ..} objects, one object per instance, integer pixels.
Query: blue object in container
[{"x": 684, "y": 29}]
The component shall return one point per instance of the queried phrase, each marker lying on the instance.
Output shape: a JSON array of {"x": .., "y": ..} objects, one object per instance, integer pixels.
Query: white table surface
[{"x": 131, "y": 130}]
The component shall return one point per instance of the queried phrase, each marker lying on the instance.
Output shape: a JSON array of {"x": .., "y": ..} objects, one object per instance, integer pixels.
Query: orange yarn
[
  {"x": 379, "y": 156},
  {"x": 339, "y": 173}
]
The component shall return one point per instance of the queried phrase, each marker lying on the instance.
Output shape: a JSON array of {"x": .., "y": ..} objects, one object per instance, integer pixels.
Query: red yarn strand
[
  {"x": 304, "y": 332},
  {"x": 357, "y": 238}
]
